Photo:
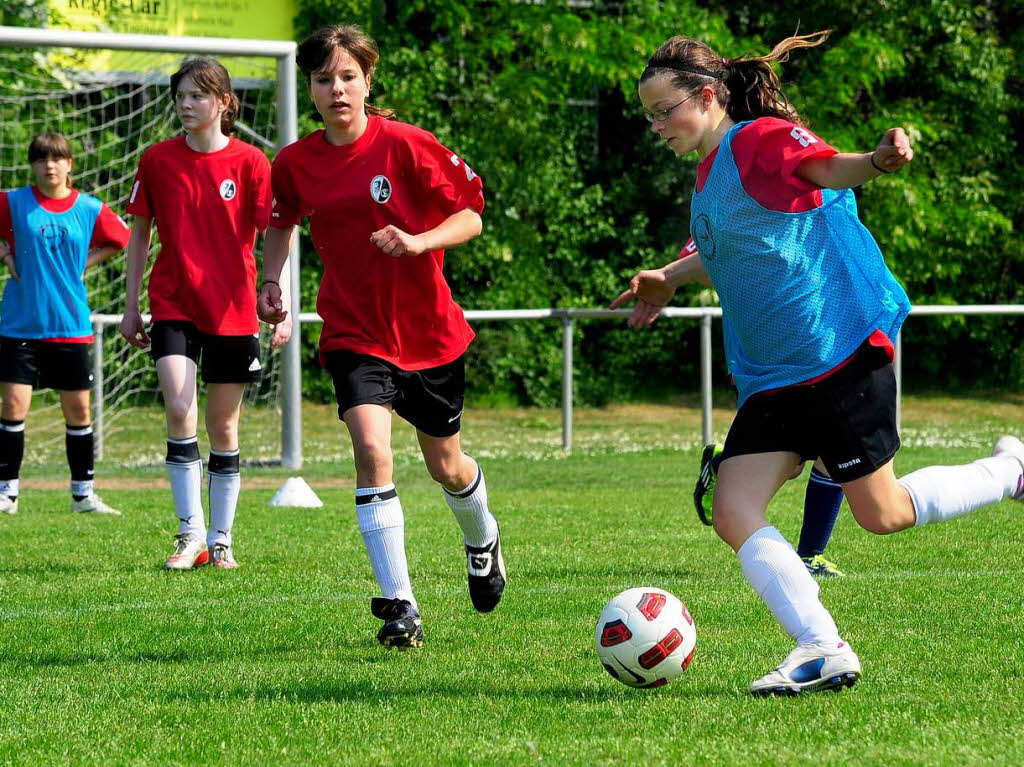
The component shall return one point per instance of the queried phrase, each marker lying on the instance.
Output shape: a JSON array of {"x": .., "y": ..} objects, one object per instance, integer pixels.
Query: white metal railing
[{"x": 567, "y": 317}]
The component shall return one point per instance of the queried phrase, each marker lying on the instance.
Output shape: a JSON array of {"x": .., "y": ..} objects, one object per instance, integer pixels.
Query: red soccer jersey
[
  {"x": 396, "y": 309},
  {"x": 110, "y": 231},
  {"x": 208, "y": 208}
]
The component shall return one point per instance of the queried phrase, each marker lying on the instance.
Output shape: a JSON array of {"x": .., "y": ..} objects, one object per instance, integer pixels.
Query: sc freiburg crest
[{"x": 380, "y": 189}]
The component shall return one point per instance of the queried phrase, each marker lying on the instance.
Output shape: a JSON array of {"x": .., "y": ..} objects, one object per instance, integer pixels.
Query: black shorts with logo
[
  {"x": 431, "y": 399},
  {"x": 847, "y": 419},
  {"x": 225, "y": 359},
  {"x": 45, "y": 364}
]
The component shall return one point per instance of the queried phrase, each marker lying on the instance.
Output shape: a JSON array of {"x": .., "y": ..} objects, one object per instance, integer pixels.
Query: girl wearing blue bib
[
  {"x": 49, "y": 235},
  {"x": 809, "y": 312}
]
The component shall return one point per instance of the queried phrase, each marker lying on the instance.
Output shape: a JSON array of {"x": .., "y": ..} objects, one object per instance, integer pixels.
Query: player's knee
[
  {"x": 222, "y": 429},
  {"x": 724, "y": 521},
  {"x": 446, "y": 470},
  {"x": 178, "y": 411},
  {"x": 876, "y": 518},
  {"x": 373, "y": 457}
]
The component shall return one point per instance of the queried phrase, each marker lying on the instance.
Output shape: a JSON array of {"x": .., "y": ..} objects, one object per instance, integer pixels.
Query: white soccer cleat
[
  {"x": 811, "y": 667},
  {"x": 8, "y": 505},
  {"x": 221, "y": 556},
  {"x": 93, "y": 504},
  {"x": 1013, "y": 447},
  {"x": 189, "y": 551}
]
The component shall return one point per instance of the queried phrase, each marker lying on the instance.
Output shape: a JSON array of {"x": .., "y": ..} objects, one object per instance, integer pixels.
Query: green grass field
[{"x": 104, "y": 658}]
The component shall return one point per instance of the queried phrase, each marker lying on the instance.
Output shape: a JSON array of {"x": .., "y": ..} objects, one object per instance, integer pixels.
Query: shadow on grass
[{"x": 327, "y": 691}]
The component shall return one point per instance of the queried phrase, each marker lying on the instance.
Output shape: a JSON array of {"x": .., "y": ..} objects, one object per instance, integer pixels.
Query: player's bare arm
[
  {"x": 844, "y": 171},
  {"x": 99, "y": 255},
  {"x": 271, "y": 302},
  {"x": 456, "y": 229},
  {"x": 138, "y": 254}
]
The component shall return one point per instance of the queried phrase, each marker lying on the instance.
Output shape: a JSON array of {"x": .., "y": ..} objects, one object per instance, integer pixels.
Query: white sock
[
  {"x": 940, "y": 493},
  {"x": 225, "y": 484},
  {"x": 383, "y": 527},
  {"x": 772, "y": 567},
  {"x": 9, "y": 487},
  {"x": 469, "y": 505},
  {"x": 82, "y": 487},
  {"x": 186, "y": 477}
]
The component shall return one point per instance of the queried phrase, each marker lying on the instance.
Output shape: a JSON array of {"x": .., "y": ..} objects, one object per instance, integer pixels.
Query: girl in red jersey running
[
  {"x": 49, "y": 235},
  {"x": 809, "y": 314},
  {"x": 208, "y": 194},
  {"x": 385, "y": 199}
]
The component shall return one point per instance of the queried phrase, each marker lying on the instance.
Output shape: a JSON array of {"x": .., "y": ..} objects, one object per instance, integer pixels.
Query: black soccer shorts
[
  {"x": 45, "y": 364},
  {"x": 223, "y": 359},
  {"x": 431, "y": 399},
  {"x": 847, "y": 419}
]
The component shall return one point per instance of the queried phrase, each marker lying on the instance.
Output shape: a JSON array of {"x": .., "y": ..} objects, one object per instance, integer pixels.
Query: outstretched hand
[
  {"x": 894, "y": 151},
  {"x": 651, "y": 291}
]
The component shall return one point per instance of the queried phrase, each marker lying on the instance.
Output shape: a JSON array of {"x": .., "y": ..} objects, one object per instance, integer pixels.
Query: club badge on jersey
[{"x": 380, "y": 189}]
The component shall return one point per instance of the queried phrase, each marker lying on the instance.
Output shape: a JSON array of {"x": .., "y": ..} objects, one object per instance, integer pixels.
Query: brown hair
[
  {"x": 211, "y": 77},
  {"x": 314, "y": 53},
  {"x": 748, "y": 88},
  {"x": 47, "y": 145}
]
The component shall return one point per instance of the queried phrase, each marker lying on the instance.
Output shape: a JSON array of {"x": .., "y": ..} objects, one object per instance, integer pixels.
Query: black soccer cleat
[
  {"x": 402, "y": 625},
  {"x": 486, "y": 578},
  {"x": 707, "y": 477}
]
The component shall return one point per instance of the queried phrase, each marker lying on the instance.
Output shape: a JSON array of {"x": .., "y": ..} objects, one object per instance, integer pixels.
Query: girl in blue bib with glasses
[{"x": 810, "y": 312}]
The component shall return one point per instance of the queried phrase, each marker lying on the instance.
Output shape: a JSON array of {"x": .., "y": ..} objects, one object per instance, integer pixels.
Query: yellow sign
[
  {"x": 238, "y": 19},
  {"x": 252, "y": 19}
]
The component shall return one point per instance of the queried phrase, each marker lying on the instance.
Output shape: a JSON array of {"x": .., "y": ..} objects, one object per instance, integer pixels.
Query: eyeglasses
[{"x": 662, "y": 115}]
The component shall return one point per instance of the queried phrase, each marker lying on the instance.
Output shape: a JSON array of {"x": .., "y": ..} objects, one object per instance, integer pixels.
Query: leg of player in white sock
[
  {"x": 177, "y": 376},
  {"x": 466, "y": 493},
  {"x": 469, "y": 505},
  {"x": 223, "y": 408},
  {"x": 746, "y": 484},
  {"x": 382, "y": 525},
  {"x": 821, "y": 660},
  {"x": 381, "y": 521},
  {"x": 883, "y": 504}
]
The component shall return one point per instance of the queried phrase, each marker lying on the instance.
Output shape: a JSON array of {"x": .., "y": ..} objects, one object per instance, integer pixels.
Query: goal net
[{"x": 110, "y": 115}]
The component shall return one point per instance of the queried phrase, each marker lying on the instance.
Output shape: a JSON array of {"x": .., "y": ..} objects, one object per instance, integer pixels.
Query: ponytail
[{"x": 747, "y": 88}]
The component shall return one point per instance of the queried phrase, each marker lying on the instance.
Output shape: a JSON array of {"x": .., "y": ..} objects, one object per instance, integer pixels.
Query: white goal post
[{"x": 283, "y": 53}]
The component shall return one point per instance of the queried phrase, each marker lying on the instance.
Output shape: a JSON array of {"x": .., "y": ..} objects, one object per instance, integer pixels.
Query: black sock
[
  {"x": 821, "y": 507},
  {"x": 12, "y": 449},
  {"x": 78, "y": 441}
]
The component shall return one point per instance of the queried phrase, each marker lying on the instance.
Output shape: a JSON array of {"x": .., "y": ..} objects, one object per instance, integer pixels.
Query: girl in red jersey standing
[
  {"x": 49, "y": 235},
  {"x": 385, "y": 199},
  {"x": 208, "y": 194},
  {"x": 809, "y": 313}
]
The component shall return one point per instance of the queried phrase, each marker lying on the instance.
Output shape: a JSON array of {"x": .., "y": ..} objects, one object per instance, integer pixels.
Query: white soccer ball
[{"x": 645, "y": 637}]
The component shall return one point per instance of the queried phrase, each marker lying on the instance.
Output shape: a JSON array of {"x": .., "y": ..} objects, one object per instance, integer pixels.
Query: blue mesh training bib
[
  {"x": 799, "y": 291},
  {"x": 51, "y": 249}
]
